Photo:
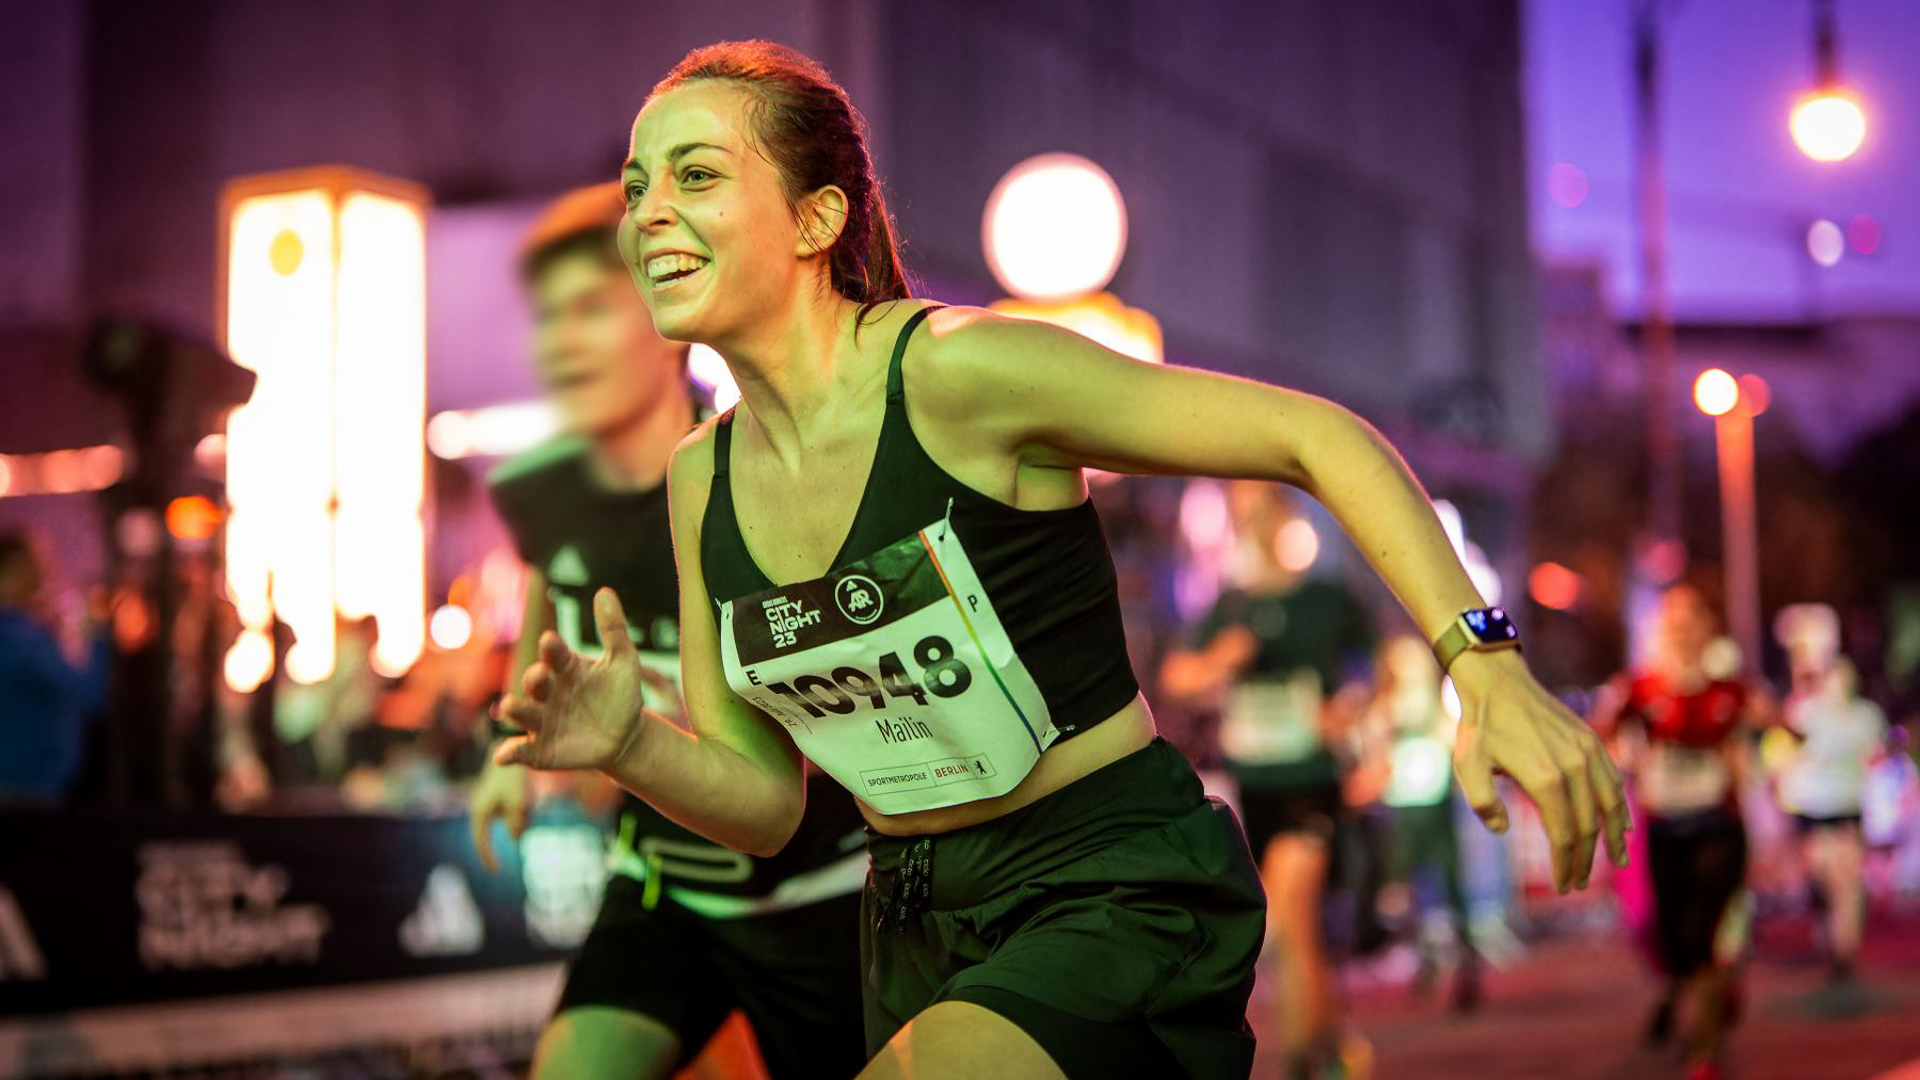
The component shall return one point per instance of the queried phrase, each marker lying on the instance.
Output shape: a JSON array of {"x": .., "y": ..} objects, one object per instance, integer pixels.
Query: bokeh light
[
  {"x": 1055, "y": 228},
  {"x": 1825, "y": 242},
  {"x": 1755, "y": 395},
  {"x": 1296, "y": 545},
  {"x": 1863, "y": 234},
  {"x": 1829, "y": 126},
  {"x": 193, "y": 517},
  {"x": 1554, "y": 586},
  {"x": 1567, "y": 184},
  {"x": 451, "y": 627},
  {"x": 1715, "y": 392},
  {"x": 248, "y": 662}
]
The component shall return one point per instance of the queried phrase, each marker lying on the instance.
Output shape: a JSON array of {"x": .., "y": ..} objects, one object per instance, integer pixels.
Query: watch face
[{"x": 1491, "y": 625}]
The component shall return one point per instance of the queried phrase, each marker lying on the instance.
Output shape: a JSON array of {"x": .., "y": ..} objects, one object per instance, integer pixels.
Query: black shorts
[
  {"x": 1810, "y": 823},
  {"x": 1697, "y": 864},
  {"x": 1116, "y": 921},
  {"x": 1313, "y": 809},
  {"x": 794, "y": 973}
]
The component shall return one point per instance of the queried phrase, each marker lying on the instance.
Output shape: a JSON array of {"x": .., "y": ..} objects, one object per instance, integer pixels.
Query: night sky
[{"x": 1741, "y": 193}]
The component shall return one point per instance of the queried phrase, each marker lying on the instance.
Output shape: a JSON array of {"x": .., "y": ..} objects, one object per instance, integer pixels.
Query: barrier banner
[{"x": 105, "y": 909}]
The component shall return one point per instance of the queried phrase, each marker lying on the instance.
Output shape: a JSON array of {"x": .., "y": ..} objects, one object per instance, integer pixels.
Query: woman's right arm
[{"x": 736, "y": 777}]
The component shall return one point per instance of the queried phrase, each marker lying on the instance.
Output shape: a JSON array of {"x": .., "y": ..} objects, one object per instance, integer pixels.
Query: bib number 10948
[{"x": 941, "y": 673}]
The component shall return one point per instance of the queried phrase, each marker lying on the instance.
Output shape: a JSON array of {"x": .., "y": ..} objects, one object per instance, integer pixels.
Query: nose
[{"x": 655, "y": 210}]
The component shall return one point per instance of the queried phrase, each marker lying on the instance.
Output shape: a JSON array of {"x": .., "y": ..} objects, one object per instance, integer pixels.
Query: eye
[
  {"x": 634, "y": 191},
  {"x": 696, "y": 175}
]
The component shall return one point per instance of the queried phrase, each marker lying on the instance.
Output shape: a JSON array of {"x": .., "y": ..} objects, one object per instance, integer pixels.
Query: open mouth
[{"x": 671, "y": 268}]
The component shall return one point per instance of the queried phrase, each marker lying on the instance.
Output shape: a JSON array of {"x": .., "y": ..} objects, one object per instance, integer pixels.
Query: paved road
[{"x": 1574, "y": 1010}]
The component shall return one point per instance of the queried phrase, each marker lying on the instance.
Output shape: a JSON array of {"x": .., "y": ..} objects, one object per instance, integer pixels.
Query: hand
[
  {"x": 1509, "y": 724},
  {"x": 503, "y": 792},
  {"x": 578, "y": 715}
]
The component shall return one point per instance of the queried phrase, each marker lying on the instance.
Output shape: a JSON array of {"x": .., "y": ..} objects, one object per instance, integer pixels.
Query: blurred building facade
[{"x": 1328, "y": 196}]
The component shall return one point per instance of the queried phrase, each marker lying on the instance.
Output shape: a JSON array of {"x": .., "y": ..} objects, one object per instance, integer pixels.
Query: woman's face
[{"x": 708, "y": 237}]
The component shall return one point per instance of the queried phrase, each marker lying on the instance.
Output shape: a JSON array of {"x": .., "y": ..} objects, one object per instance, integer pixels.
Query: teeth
[{"x": 661, "y": 266}]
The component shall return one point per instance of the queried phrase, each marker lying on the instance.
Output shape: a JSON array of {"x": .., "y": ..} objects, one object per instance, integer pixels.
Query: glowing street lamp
[
  {"x": 323, "y": 295},
  {"x": 1827, "y": 123},
  {"x": 1054, "y": 231},
  {"x": 1733, "y": 403}
]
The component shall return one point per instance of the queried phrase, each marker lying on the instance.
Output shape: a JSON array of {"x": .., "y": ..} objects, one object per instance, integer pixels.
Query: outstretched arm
[
  {"x": 1054, "y": 399},
  {"x": 736, "y": 777}
]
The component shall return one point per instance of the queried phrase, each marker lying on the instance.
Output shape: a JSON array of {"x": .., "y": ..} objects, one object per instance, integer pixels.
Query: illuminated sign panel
[{"x": 324, "y": 298}]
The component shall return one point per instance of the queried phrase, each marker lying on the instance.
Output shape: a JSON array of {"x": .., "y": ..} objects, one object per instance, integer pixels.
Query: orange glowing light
[
  {"x": 193, "y": 517},
  {"x": 324, "y": 297},
  {"x": 1055, "y": 228},
  {"x": 1716, "y": 392},
  {"x": 1828, "y": 125},
  {"x": 1554, "y": 586}
]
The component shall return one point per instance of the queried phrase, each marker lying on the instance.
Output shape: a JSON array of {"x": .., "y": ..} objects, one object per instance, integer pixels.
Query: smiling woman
[{"x": 913, "y": 591}]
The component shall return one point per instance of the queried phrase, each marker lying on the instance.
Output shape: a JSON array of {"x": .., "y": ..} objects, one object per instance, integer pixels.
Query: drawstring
[{"x": 912, "y": 887}]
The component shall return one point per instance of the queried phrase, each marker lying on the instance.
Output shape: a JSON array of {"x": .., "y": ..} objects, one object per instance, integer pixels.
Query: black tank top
[{"x": 1047, "y": 572}]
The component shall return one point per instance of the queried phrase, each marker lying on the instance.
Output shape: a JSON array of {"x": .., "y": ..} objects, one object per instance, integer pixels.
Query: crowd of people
[{"x": 1003, "y": 859}]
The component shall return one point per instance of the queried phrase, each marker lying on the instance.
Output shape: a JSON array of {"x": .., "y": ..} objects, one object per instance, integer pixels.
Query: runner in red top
[{"x": 1675, "y": 729}]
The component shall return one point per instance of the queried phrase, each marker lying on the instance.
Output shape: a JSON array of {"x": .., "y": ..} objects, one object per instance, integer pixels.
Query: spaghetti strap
[
  {"x": 722, "y": 442},
  {"x": 895, "y": 390}
]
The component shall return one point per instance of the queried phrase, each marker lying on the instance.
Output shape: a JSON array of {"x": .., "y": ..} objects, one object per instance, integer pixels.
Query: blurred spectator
[{"x": 46, "y": 702}]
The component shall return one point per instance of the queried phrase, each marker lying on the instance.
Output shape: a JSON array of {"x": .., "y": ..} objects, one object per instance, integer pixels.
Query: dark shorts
[
  {"x": 1810, "y": 823},
  {"x": 794, "y": 974},
  {"x": 1115, "y": 921},
  {"x": 1423, "y": 836},
  {"x": 1697, "y": 864},
  {"x": 1313, "y": 810}
]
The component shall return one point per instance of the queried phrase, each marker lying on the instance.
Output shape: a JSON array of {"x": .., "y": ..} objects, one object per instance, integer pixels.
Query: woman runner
[{"x": 888, "y": 562}]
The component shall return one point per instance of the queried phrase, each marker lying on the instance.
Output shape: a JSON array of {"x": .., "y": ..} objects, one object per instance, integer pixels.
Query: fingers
[
  {"x": 517, "y": 820},
  {"x": 518, "y": 750},
  {"x": 1586, "y": 818},
  {"x": 537, "y": 682},
  {"x": 1613, "y": 804},
  {"x": 611, "y": 620},
  {"x": 1476, "y": 780},
  {"x": 554, "y": 653},
  {"x": 524, "y": 711},
  {"x": 481, "y": 823},
  {"x": 1545, "y": 784}
]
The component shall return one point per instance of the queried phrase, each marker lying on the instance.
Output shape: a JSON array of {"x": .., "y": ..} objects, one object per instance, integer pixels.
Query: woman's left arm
[{"x": 1055, "y": 399}]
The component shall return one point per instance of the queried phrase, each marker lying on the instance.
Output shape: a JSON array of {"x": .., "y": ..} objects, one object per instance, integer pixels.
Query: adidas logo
[
  {"x": 447, "y": 922},
  {"x": 567, "y": 567},
  {"x": 20, "y": 957}
]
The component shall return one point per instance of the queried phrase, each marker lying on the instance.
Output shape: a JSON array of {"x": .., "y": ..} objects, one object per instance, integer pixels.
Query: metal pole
[
  {"x": 1657, "y": 338},
  {"x": 1733, "y": 436}
]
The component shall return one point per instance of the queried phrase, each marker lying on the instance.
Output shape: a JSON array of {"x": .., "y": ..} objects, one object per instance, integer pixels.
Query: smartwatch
[{"x": 1476, "y": 630}]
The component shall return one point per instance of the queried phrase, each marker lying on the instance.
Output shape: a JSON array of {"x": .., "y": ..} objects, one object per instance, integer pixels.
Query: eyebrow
[{"x": 677, "y": 153}]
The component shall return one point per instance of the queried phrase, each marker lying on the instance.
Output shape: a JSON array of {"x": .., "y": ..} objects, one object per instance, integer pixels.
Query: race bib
[
  {"x": 894, "y": 675},
  {"x": 1680, "y": 779},
  {"x": 1272, "y": 721}
]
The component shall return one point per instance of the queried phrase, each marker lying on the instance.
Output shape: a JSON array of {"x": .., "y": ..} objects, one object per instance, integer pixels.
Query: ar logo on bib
[{"x": 859, "y": 598}]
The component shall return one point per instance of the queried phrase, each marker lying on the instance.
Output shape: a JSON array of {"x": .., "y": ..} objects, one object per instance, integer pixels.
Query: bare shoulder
[
  {"x": 690, "y": 471},
  {"x": 973, "y": 356}
]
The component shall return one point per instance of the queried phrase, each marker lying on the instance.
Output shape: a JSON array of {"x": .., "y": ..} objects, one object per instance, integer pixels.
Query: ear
[{"x": 822, "y": 215}]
